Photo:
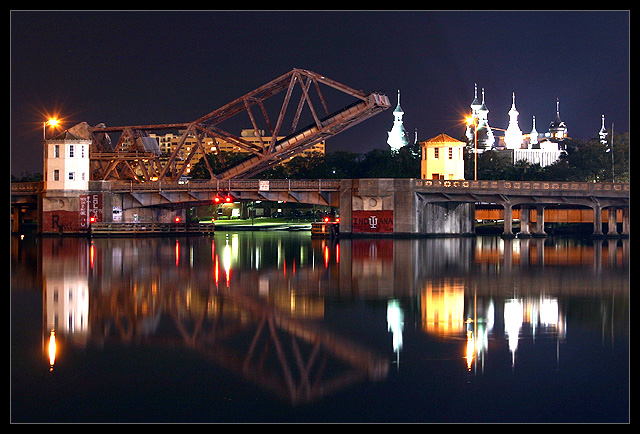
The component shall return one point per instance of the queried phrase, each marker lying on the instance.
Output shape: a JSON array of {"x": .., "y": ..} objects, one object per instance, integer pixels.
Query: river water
[{"x": 274, "y": 326}]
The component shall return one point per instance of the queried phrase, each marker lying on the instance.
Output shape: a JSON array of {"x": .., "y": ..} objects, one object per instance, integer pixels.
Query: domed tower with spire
[
  {"x": 533, "y": 135},
  {"x": 513, "y": 134},
  {"x": 603, "y": 133},
  {"x": 475, "y": 106},
  {"x": 479, "y": 120},
  {"x": 398, "y": 135},
  {"x": 557, "y": 128},
  {"x": 484, "y": 133}
]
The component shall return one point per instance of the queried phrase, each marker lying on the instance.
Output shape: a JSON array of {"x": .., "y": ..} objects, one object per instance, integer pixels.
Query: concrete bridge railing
[{"x": 526, "y": 187}]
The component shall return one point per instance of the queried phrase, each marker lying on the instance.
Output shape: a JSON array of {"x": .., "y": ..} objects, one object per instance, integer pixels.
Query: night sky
[{"x": 132, "y": 68}]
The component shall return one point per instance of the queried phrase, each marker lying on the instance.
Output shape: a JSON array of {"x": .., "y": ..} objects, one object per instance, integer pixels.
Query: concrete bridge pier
[
  {"x": 597, "y": 221},
  {"x": 625, "y": 221},
  {"x": 524, "y": 221},
  {"x": 612, "y": 229},
  {"x": 539, "y": 231},
  {"x": 508, "y": 220},
  {"x": 612, "y": 220}
]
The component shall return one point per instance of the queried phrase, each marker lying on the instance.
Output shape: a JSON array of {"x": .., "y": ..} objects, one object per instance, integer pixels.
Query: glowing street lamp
[
  {"x": 474, "y": 121},
  {"x": 52, "y": 122}
]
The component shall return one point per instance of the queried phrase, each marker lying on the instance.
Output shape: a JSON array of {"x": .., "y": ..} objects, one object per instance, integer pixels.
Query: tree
[
  {"x": 616, "y": 164},
  {"x": 341, "y": 165},
  {"x": 492, "y": 165},
  {"x": 218, "y": 163},
  {"x": 27, "y": 177},
  {"x": 586, "y": 160},
  {"x": 583, "y": 161}
]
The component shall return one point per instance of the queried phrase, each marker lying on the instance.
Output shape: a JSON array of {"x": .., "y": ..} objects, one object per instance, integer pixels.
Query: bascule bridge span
[{"x": 299, "y": 109}]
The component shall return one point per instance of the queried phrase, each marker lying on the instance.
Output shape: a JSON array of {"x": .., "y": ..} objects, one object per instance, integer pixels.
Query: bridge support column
[
  {"x": 539, "y": 232},
  {"x": 524, "y": 221},
  {"x": 16, "y": 222},
  {"x": 508, "y": 220},
  {"x": 597, "y": 221},
  {"x": 612, "y": 231},
  {"x": 625, "y": 221}
]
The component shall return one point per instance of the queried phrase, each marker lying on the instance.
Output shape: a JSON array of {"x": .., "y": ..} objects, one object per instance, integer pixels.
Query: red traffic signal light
[{"x": 225, "y": 198}]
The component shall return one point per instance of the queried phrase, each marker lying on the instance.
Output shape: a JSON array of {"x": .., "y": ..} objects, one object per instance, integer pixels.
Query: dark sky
[{"x": 128, "y": 68}]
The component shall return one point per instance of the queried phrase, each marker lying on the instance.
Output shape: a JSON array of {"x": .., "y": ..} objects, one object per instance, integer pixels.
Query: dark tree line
[
  {"x": 584, "y": 160},
  {"x": 377, "y": 163}
]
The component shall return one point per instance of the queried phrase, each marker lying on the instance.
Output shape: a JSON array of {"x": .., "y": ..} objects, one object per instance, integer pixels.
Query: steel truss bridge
[{"x": 296, "y": 108}]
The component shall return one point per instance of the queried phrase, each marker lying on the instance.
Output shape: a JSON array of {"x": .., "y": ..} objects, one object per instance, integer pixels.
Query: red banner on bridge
[{"x": 372, "y": 221}]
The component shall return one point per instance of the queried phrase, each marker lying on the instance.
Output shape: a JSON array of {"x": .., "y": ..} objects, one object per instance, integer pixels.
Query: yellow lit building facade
[{"x": 442, "y": 158}]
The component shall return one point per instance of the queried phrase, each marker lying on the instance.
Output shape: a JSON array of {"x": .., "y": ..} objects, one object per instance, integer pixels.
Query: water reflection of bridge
[
  {"x": 251, "y": 303},
  {"x": 293, "y": 359},
  {"x": 99, "y": 295}
]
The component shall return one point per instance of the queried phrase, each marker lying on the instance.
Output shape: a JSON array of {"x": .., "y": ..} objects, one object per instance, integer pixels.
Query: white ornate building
[
  {"x": 478, "y": 131},
  {"x": 535, "y": 147},
  {"x": 513, "y": 135},
  {"x": 398, "y": 135}
]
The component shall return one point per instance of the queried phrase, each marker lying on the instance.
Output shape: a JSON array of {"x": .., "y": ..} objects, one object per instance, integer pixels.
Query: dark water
[{"x": 276, "y": 327}]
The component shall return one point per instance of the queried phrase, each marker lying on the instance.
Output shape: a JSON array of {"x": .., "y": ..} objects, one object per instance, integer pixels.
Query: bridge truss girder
[{"x": 305, "y": 102}]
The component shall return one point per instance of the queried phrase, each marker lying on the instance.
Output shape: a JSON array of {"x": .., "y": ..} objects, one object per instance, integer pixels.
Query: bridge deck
[{"x": 543, "y": 188}]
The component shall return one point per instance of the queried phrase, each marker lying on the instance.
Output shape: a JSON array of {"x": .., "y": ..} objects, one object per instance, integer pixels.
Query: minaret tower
[
  {"x": 603, "y": 133},
  {"x": 398, "y": 135},
  {"x": 533, "y": 135},
  {"x": 475, "y": 106},
  {"x": 485, "y": 135},
  {"x": 557, "y": 128},
  {"x": 513, "y": 135}
]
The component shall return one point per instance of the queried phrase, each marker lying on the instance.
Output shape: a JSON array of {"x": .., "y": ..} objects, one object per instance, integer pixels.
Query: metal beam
[{"x": 265, "y": 155}]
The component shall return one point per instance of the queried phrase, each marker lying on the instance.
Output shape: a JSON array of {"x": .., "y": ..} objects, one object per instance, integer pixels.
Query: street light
[
  {"x": 52, "y": 122},
  {"x": 474, "y": 121},
  {"x": 610, "y": 149}
]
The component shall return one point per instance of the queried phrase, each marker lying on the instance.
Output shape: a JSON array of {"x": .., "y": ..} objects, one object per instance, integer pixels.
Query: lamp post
[
  {"x": 52, "y": 122},
  {"x": 613, "y": 168},
  {"x": 474, "y": 121}
]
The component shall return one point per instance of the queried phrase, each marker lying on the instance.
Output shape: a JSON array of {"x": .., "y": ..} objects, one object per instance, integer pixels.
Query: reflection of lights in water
[
  {"x": 226, "y": 260},
  {"x": 52, "y": 349},
  {"x": 543, "y": 312},
  {"x": 395, "y": 324},
  {"x": 216, "y": 270},
  {"x": 549, "y": 311},
  {"x": 513, "y": 312},
  {"x": 471, "y": 346}
]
